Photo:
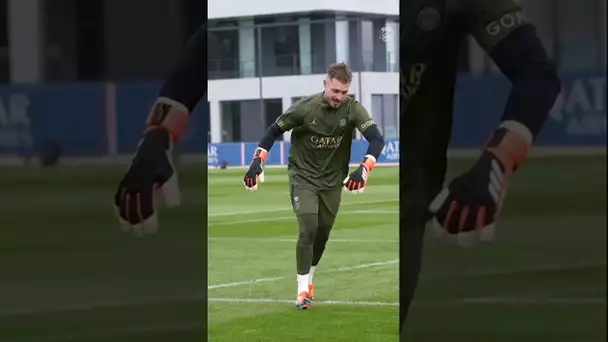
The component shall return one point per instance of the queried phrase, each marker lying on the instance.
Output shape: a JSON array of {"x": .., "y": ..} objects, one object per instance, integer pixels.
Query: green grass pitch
[
  {"x": 68, "y": 274},
  {"x": 252, "y": 264}
]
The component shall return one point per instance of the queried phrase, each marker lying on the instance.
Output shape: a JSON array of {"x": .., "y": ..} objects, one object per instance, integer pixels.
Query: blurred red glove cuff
[
  {"x": 511, "y": 143},
  {"x": 170, "y": 115},
  {"x": 260, "y": 153},
  {"x": 368, "y": 162}
]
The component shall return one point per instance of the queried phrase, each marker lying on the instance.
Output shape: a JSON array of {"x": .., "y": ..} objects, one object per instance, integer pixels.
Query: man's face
[{"x": 335, "y": 92}]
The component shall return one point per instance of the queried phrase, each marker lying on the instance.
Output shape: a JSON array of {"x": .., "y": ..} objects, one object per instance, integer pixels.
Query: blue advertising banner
[
  {"x": 240, "y": 154},
  {"x": 97, "y": 119},
  {"x": 72, "y": 115},
  {"x": 133, "y": 102},
  {"x": 231, "y": 153},
  {"x": 578, "y": 117}
]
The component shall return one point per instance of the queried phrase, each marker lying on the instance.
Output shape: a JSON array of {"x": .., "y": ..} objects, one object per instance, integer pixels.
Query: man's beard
[{"x": 331, "y": 102}]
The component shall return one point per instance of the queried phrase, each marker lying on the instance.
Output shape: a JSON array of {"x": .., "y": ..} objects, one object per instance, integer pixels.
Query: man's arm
[
  {"x": 370, "y": 132},
  {"x": 293, "y": 117},
  {"x": 511, "y": 41},
  {"x": 183, "y": 88},
  {"x": 471, "y": 204},
  {"x": 270, "y": 136},
  {"x": 356, "y": 180}
]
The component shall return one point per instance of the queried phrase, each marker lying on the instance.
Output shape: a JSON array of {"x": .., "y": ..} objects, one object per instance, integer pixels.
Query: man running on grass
[{"x": 322, "y": 132}]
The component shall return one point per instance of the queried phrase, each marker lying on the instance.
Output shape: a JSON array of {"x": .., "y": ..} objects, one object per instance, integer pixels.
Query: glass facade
[
  {"x": 290, "y": 45},
  {"x": 81, "y": 43},
  {"x": 97, "y": 41}
]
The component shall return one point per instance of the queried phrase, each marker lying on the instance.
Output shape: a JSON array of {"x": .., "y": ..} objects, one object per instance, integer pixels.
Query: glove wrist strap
[
  {"x": 260, "y": 153},
  {"x": 512, "y": 140},
  {"x": 170, "y": 115},
  {"x": 369, "y": 162}
]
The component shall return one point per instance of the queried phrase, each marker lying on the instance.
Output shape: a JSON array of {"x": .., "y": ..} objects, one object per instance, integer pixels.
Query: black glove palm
[
  {"x": 254, "y": 174},
  {"x": 473, "y": 198},
  {"x": 150, "y": 170},
  {"x": 470, "y": 206},
  {"x": 357, "y": 179}
]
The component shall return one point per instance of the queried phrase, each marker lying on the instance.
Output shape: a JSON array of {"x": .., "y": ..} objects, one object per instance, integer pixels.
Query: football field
[
  {"x": 252, "y": 274},
  {"x": 68, "y": 274}
]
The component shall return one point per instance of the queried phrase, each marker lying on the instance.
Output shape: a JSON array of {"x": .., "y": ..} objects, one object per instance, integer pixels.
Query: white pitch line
[
  {"x": 379, "y": 211},
  {"x": 230, "y": 213},
  {"x": 265, "y": 280},
  {"x": 295, "y": 240},
  {"x": 120, "y": 332},
  {"x": 438, "y": 303},
  {"x": 526, "y": 301},
  {"x": 201, "y": 296},
  {"x": 508, "y": 270},
  {"x": 103, "y": 304},
  {"x": 290, "y": 301},
  {"x": 268, "y": 219},
  {"x": 292, "y": 217}
]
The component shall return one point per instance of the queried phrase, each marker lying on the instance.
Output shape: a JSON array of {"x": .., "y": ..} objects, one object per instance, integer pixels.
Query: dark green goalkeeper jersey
[
  {"x": 432, "y": 34},
  {"x": 321, "y": 140}
]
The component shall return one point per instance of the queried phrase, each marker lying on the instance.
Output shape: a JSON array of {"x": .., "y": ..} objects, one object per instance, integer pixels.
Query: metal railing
[{"x": 285, "y": 65}]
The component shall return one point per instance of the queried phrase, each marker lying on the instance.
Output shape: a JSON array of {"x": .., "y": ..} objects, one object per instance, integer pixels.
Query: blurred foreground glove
[
  {"x": 151, "y": 170},
  {"x": 355, "y": 182},
  {"x": 255, "y": 173},
  {"x": 470, "y": 206}
]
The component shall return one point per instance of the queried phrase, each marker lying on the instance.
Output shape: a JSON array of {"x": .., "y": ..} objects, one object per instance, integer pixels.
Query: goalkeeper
[
  {"x": 467, "y": 209},
  {"x": 322, "y": 132}
]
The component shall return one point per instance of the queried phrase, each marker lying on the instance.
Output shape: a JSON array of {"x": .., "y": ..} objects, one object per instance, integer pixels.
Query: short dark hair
[{"x": 340, "y": 71}]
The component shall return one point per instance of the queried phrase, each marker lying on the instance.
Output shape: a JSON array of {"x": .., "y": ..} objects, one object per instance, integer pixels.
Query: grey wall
[
  {"x": 61, "y": 40},
  {"x": 384, "y": 112},
  {"x": 138, "y": 46}
]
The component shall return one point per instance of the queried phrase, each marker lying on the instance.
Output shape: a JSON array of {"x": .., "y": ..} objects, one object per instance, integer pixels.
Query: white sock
[
  {"x": 302, "y": 283},
  {"x": 311, "y": 273}
]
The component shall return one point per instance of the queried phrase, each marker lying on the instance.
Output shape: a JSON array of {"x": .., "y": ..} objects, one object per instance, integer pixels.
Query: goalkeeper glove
[
  {"x": 151, "y": 170},
  {"x": 255, "y": 172},
  {"x": 355, "y": 182},
  {"x": 470, "y": 206}
]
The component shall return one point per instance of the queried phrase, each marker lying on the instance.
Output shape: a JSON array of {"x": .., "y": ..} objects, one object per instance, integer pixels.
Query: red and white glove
[
  {"x": 356, "y": 181},
  {"x": 468, "y": 209},
  {"x": 255, "y": 173}
]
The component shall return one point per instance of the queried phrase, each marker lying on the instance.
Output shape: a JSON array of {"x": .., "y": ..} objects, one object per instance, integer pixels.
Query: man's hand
[
  {"x": 470, "y": 206},
  {"x": 355, "y": 182},
  {"x": 151, "y": 170},
  {"x": 255, "y": 173}
]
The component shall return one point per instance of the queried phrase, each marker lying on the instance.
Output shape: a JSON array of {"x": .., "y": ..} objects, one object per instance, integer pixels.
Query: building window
[
  {"x": 273, "y": 108},
  {"x": 385, "y": 114},
  {"x": 223, "y": 52},
  {"x": 244, "y": 120},
  {"x": 280, "y": 46}
]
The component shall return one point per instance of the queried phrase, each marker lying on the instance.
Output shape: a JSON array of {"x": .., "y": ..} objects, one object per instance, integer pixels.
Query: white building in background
[{"x": 281, "y": 50}]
